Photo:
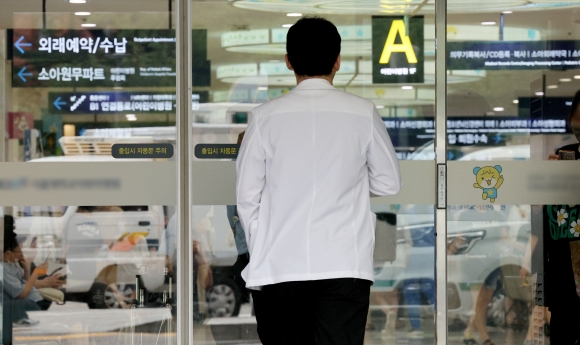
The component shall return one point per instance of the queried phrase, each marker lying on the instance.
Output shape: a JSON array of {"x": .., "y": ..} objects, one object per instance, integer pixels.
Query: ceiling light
[
  {"x": 380, "y": 107},
  {"x": 88, "y": 25},
  {"x": 539, "y": 93},
  {"x": 498, "y": 109},
  {"x": 488, "y": 23},
  {"x": 262, "y": 88},
  {"x": 287, "y": 25},
  {"x": 131, "y": 117},
  {"x": 77, "y": 1},
  {"x": 515, "y": 101},
  {"x": 407, "y": 87},
  {"x": 565, "y": 80},
  {"x": 577, "y": 77},
  {"x": 274, "y": 61},
  {"x": 82, "y": 13},
  {"x": 552, "y": 86},
  {"x": 507, "y": 12},
  {"x": 294, "y": 14}
]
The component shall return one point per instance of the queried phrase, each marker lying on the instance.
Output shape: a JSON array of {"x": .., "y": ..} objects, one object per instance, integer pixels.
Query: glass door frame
[
  {"x": 185, "y": 169},
  {"x": 441, "y": 172},
  {"x": 184, "y": 141}
]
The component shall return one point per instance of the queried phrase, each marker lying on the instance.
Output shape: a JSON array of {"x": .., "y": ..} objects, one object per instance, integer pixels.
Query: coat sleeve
[
  {"x": 251, "y": 170},
  {"x": 383, "y": 165}
]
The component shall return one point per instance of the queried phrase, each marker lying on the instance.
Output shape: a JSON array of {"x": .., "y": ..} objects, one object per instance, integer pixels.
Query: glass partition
[{"x": 88, "y": 175}]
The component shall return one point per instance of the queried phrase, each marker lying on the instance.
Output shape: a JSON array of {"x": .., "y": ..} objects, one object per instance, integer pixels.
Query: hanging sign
[{"x": 398, "y": 49}]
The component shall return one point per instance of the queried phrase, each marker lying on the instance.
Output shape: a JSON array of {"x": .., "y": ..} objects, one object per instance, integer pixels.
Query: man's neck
[{"x": 301, "y": 78}]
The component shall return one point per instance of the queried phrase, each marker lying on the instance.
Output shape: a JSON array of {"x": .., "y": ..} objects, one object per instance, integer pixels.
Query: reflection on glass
[{"x": 77, "y": 262}]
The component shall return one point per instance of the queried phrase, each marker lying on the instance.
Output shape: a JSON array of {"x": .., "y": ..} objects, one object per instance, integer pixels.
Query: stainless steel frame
[
  {"x": 184, "y": 174},
  {"x": 441, "y": 160}
]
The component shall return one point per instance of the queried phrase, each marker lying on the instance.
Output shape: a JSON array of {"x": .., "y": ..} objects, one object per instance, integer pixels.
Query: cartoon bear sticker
[{"x": 489, "y": 179}]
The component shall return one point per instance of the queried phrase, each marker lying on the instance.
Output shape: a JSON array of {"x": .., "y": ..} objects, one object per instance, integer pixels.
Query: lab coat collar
[{"x": 314, "y": 84}]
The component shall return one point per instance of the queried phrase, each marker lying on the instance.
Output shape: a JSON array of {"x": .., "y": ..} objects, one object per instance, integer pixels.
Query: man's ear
[
  {"x": 336, "y": 66},
  {"x": 288, "y": 64}
]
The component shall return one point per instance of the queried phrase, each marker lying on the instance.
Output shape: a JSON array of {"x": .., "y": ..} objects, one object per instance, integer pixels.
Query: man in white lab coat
[{"x": 309, "y": 162}]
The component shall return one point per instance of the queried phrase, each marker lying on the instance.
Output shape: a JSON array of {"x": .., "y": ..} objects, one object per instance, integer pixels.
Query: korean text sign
[
  {"x": 555, "y": 55},
  {"x": 398, "y": 50},
  {"x": 117, "y": 102},
  {"x": 86, "y": 58}
]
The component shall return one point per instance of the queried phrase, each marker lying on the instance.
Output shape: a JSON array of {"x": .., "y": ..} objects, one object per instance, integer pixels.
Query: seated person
[{"x": 20, "y": 283}]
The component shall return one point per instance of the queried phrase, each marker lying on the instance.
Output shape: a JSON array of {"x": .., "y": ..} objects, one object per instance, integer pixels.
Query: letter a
[{"x": 398, "y": 27}]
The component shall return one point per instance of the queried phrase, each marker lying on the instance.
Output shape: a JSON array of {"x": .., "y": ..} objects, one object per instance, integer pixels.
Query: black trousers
[{"x": 316, "y": 312}]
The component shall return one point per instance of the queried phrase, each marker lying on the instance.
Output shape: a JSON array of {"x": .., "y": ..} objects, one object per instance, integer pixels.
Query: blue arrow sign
[
  {"x": 21, "y": 74},
  {"x": 57, "y": 103},
  {"x": 19, "y": 44}
]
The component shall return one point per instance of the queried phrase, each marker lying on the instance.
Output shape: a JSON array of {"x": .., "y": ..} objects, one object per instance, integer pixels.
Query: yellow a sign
[{"x": 398, "y": 28}]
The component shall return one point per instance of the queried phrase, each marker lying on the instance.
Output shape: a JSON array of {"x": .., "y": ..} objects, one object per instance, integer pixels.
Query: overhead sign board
[
  {"x": 100, "y": 58},
  {"x": 117, "y": 102},
  {"x": 398, "y": 50},
  {"x": 524, "y": 55}
]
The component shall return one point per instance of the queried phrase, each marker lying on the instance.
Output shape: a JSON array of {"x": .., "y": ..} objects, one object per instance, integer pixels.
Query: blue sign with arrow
[
  {"x": 23, "y": 74},
  {"x": 19, "y": 44}
]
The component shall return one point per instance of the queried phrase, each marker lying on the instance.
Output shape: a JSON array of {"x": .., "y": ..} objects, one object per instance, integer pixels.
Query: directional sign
[
  {"x": 513, "y": 55},
  {"x": 116, "y": 102},
  {"x": 102, "y": 58}
]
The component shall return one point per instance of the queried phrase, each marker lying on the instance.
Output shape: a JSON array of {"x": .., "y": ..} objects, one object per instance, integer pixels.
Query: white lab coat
[{"x": 309, "y": 162}]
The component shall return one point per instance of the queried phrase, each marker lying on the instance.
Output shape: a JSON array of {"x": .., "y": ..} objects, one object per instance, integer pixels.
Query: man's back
[{"x": 317, "y": 153}]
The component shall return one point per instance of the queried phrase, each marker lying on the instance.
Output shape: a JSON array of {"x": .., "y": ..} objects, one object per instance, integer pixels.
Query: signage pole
[
  {"x": 170, "y": 13},
  {"x": 501, "y": 22},
  {"x": 441, "y": 178},
  {"x": 44, "y": 14},
  {"x": 184, "y": 162}
]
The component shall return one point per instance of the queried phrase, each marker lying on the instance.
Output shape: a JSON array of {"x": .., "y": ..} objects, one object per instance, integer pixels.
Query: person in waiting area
[
  {"x": 19, "y": 283},
  {"x": 561, "y": 235},
  {"x": 308, "y": 165}
]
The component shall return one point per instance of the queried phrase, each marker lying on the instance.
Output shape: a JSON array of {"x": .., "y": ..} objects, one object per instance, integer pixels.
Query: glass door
[
  {"x": 239, "y": 59},
  {"x": 511, "y": 214}
]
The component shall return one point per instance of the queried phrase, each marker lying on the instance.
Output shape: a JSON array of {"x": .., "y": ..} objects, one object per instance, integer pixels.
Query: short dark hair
[{"x": 313, "y": 45}]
